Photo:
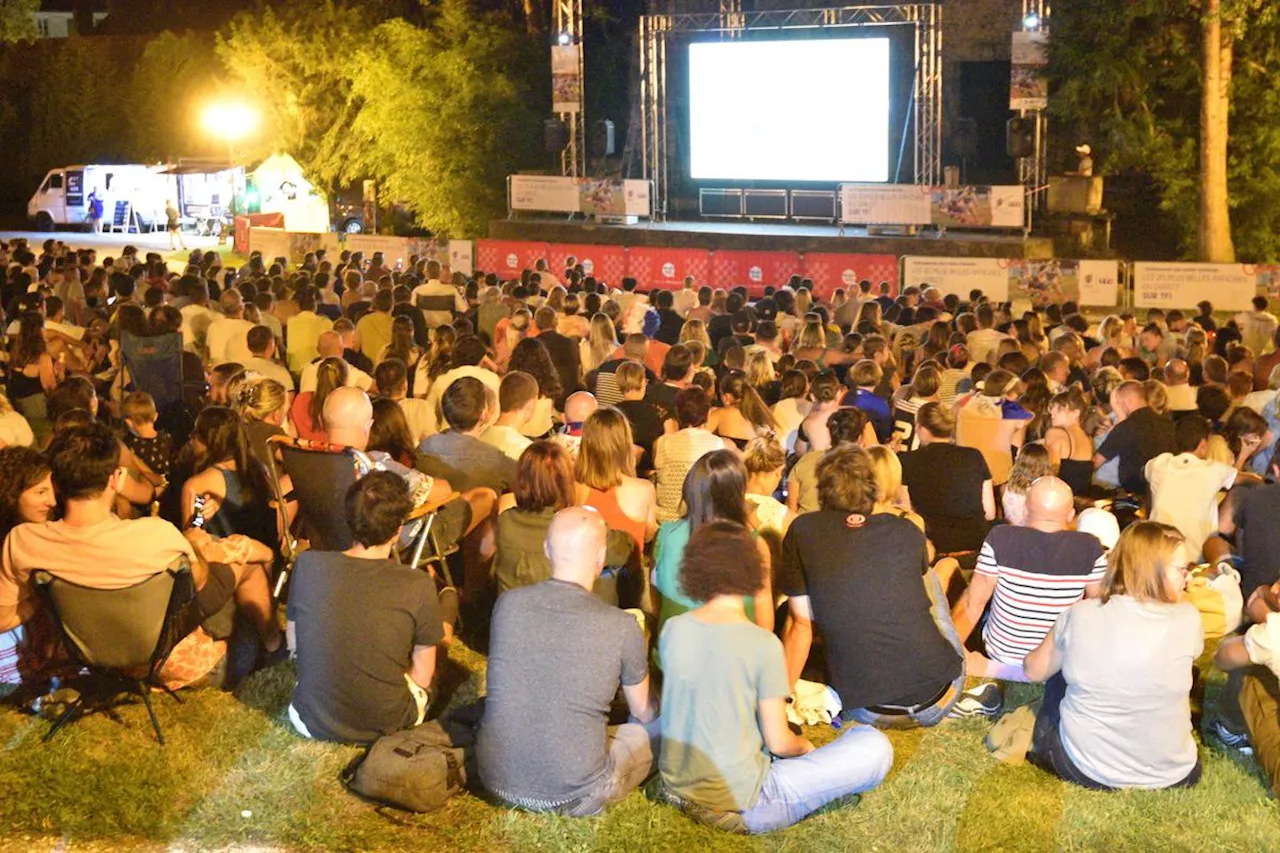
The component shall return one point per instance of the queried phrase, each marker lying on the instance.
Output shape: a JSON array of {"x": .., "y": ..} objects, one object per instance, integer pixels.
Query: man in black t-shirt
[
  {"x": 647, "y": 420},
  {"x": 677, "y": 373},
  {"x": 355, "y": 692},
  {"x": 1140, "y": 436},
  {"x": 949, "y": 486},
  {"x": 893, "y": 653}
]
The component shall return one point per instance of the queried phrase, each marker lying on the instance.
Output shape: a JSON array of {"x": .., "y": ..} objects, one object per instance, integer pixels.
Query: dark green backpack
[{"x": 416, "y": 769}]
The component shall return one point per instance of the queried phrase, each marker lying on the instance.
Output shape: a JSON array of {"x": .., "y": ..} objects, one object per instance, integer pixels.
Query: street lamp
[{"x": 230, "y": 121}]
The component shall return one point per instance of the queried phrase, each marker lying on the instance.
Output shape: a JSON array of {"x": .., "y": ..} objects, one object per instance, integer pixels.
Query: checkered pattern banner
[
  {"x": 606, "y": 263},
  {"x": 753, "y": 270},
  {"x": 830, "y": 270},
  {"x": 508, "y": 258},
  {"x": 667, "y": 268}
]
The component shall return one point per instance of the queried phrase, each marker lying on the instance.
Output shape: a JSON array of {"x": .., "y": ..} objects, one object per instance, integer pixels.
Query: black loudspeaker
[
  {"x": 602, "y": 139},
  {"x": 964, "y": 138},
  {"x": 555, "y": 136},
  {"x": 1020, "y": 138}
]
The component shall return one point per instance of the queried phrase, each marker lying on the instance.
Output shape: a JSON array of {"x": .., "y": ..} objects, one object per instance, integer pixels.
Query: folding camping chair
[
  {"x": 123, "y": 637},
  {"x": 321, "y": 474}
]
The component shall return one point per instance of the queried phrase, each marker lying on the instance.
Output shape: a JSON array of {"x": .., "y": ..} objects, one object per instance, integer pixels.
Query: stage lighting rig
[
  {"x": 564, "y": 39},
  {"x": 1031, "y": 22}
]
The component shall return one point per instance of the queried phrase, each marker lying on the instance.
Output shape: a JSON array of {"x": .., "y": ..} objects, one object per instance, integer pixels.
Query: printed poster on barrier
[
  {"x": 566, "y": 79},
  {"x": 885, "y": 204},
  {"x": 462, "y": 256},
  {"x": 546, "y": 193},
  {"x": 1056, "y": 281},
  {"x": 1029, "y": 85},
  {"x": 979, "y": 207},
  {"x": 1230, "y": 287},
  {"x": 605, "y": 197},
  {"x": 1267, "y": 277},
  {"x": 959, "y": 275}
]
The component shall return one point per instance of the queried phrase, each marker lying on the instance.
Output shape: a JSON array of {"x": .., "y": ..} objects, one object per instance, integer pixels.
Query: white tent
[{"x": 283, "y": 189}]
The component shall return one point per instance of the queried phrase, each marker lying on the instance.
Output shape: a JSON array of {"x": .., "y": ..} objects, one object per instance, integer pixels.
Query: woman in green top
[
  {"x": 728, "y": 758},
  {"x": 715, "y": 489}
]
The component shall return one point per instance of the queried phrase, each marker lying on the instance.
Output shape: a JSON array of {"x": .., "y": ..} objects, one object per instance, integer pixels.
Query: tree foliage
[
  {"x": 18, "y": 20},
  {"x": 445, "y": 113},
  {"x": 175, "y": 78},
  {"x": 1133, "y": 86},
  {"x": 293, "y": 64}
]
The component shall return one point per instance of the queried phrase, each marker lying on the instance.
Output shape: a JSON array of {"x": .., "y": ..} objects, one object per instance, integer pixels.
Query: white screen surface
[{"x": 796, "y": 110}]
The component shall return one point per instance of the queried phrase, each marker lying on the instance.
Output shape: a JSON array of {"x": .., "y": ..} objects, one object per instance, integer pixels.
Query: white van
[{"x": 63, "y": 197}]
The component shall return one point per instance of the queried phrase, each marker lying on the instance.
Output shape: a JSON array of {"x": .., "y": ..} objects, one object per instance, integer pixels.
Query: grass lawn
[{"x": 106, "y": 786}]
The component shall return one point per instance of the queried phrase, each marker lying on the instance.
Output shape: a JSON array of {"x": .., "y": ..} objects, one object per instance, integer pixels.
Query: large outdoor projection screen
[{"x": 795, "y": 110}]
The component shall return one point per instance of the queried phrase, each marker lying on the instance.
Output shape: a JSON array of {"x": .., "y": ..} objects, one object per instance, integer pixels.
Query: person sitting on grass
[
  {"x": 355, "y": 692},
  {"x": 1116, "y": 710},
  {"x": 1029, "y": 575},
  {"x": 556, "y": 658},
  {"x": 894, "y": 657},
  {"x": 728, "y": 757}
]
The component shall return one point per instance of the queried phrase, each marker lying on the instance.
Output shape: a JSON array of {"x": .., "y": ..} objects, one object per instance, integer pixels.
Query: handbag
[{"x": 415, "y": 769}]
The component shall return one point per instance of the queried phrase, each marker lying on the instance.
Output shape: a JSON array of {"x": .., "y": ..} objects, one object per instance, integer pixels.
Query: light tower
[{"x": 568, "y": 28}]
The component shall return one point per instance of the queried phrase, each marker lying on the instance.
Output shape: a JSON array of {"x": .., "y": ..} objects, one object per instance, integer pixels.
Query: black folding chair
[
  {"x": 321, "y": 474},
  {"x": 122, "y": 637}
]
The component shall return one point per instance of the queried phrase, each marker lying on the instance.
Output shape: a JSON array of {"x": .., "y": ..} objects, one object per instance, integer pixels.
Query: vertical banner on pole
[
  {"x": 566, "y": 84},
  {"x": 1029, "y": 86}
]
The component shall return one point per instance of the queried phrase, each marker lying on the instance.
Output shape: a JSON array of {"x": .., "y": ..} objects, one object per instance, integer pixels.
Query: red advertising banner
[
  {"x": 508, "y": 258},
  {"x": 753, "y": 270},
  {"x": 606, "y": 263},
  {"x": 832, "y": 270},
  {"x": 667, "y": 268}
]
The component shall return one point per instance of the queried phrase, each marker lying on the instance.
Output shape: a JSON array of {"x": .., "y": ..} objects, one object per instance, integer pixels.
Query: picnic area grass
[{"x": 234, "y": 777}]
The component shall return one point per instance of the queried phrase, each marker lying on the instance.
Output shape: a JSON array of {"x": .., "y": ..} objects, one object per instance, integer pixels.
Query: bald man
[
  {"x": 1139, "y": 436},
  {"x": 330, "y": 345},
  {"x": 1029, "y": 575},
  {"x": 577, "y": 408},
  {"x": 348, "y": 414},
  {"x": 557, "y": 654},
  {"x": 1177, "y": 381}
]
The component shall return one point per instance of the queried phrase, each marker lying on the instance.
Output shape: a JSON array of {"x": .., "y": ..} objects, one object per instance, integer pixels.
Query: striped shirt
[{"x": 1038, "y": 576}]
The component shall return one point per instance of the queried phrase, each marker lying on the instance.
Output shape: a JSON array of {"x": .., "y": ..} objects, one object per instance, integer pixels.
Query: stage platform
[{"x": 769, "y": 237}]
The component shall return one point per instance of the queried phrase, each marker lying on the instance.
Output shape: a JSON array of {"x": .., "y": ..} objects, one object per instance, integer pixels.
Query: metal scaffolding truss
[
  {"x": 568, "y": 22},
  {"x": 730, "y": 21}
]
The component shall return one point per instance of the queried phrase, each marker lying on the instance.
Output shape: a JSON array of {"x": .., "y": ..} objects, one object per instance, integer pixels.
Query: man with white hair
[
  {"x": 1029, "y": 575},
  {"x": 545, "y": 744}
]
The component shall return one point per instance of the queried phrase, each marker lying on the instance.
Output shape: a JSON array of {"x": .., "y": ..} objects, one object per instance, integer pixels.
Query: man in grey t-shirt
[{"x": 556, "y": 658}]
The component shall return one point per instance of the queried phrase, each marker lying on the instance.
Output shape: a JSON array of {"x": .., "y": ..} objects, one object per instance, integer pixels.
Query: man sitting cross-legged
[
  {"x": 364, "y": 627},
  {"x": 1030, "y": 575},
  {"x": 90, "y": 546},
  {"x": 556, "y": 657},
  {"x": 894, "y": 656}
]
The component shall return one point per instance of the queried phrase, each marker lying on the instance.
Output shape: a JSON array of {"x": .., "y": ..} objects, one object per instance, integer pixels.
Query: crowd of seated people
[{"x": 660, "y": 505}]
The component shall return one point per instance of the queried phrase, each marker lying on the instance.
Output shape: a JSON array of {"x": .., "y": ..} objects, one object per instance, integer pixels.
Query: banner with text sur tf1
[
  {"x": 1230, "y": 287},
  {"x": 1041, "y": 283}
]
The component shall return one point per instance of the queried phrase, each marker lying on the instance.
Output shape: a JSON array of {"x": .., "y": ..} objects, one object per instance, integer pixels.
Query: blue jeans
[{"x": 796, "y": 787}]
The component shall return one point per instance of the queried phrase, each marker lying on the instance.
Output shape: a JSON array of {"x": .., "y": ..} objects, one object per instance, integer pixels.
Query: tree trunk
[{"x": 1215, "y": 244}]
